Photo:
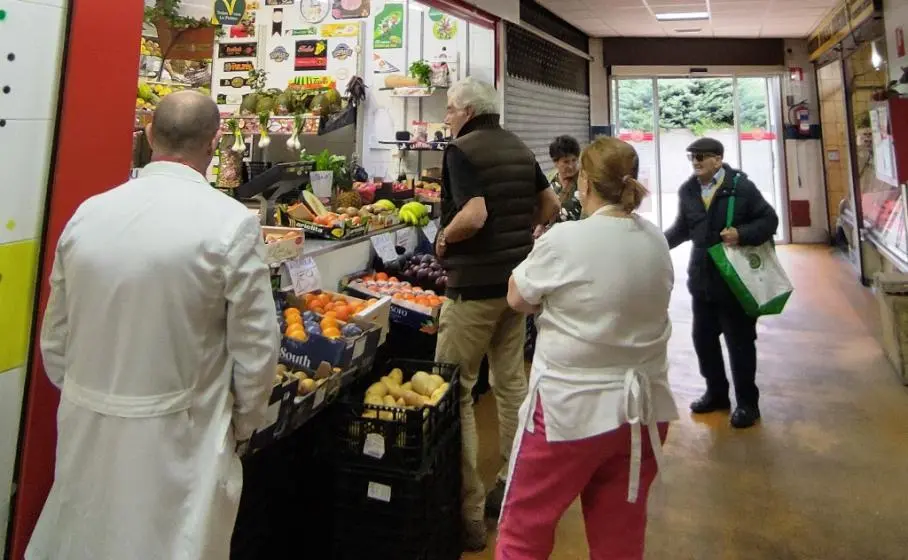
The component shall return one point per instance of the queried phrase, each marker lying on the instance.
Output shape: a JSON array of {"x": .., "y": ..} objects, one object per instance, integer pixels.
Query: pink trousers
[{"x": 548, "y": 477}]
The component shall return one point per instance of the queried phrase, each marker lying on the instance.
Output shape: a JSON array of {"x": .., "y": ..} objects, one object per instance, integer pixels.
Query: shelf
[
  {"x": 440, "y": 146},
  {"x": 413, "y": 91},
  {"x": 315, "y": 247}
]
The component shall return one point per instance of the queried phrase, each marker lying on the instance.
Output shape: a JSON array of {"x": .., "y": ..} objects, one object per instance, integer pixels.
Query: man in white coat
[{"x": 162, "y": 335}]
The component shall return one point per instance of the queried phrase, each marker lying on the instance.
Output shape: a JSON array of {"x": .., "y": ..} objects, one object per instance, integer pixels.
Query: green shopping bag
[{"x": 754, "y": 274}]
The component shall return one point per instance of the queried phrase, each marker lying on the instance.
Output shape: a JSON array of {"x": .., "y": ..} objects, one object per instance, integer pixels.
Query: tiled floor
[{"x": 824, "y": 477}]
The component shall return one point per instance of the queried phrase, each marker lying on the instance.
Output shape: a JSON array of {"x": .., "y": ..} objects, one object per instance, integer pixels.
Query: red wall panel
[{"x": 92, "y": 154}]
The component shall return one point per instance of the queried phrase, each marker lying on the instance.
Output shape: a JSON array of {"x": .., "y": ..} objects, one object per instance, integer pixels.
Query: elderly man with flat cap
[
  {"x": 702, "y": 211},
  {"x": 161, "y": 335}
]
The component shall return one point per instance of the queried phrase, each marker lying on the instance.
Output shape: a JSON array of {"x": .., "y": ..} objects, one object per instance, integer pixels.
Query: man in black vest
[
  {"x": 493, "y": 194},
  {"x": 702, "y": 211}
]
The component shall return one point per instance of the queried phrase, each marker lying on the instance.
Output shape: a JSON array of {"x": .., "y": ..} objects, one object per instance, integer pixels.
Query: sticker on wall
[
  {"x": 311, "y": 55},
  {"x": 279, "y": 2},
  {"x": 279, "y": 54},
  {"x": 303, "y": 31},
  {"x": 382, "y": 66},
  {"x": 228, "y": 12},
  {"x": 351, "y": 9},
  {"x": 239, "y": 66},
  {"x": 314, "y": 11},
  {"x": 389, "y": 27},
  {"x": 342, "y": 52},
  {"x": 340, "y": 29},
  {"x": 237, "y": 50},
  {"x": 237, "y": 82},
  {"x": 277, "y": 22},
  {"x": 444, "y": 27},
  {"x": 312, "y": 82}
]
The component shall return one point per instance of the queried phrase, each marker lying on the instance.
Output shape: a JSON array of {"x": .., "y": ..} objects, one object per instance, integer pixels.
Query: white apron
[{"x": 636, "y": 386}]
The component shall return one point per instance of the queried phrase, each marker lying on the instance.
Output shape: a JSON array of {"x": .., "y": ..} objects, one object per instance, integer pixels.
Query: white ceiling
[{"x": 728, "y": 18}]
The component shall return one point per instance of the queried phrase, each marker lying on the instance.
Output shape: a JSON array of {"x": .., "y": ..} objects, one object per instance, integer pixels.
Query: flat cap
[{"x": 706, "y": 146}]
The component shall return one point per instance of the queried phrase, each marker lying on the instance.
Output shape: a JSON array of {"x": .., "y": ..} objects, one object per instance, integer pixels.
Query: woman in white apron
[{"x": 599, "y": 377}]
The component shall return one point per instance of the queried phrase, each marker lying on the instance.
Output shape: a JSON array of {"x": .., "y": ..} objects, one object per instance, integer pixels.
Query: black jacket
[{"x": 754, "y": 218}]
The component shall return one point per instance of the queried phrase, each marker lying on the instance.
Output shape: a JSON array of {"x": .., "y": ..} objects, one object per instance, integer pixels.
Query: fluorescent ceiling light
[
  {"x": 682, "y": 16},
  {"x": 689, "y": 30}
]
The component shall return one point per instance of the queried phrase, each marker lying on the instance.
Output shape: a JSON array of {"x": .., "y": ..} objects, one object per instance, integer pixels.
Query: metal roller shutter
[{"x": 537, "y": 114}]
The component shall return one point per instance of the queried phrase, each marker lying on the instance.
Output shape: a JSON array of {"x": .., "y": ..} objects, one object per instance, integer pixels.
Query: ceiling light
[
  {"x": 682, "y": 16},
  {"x": 875, "y": 59},
  {"x": 689, "y": 30}
]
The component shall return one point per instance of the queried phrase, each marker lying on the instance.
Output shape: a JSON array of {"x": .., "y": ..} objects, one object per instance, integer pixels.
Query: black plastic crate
[
  {"x": 395, "y": 438},
  {"x": 385, "y": 515}
]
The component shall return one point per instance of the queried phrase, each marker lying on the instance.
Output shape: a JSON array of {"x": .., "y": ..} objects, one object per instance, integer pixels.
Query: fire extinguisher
[{"x": 802, "y": 117}]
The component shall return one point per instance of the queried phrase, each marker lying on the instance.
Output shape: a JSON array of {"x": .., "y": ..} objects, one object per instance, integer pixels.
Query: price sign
[
  {"x": 431, "y": 230},
  {"x": 403, "y": 237},
  {"x": 385, "y": 247},
  {"x": 304, "y": 275}
]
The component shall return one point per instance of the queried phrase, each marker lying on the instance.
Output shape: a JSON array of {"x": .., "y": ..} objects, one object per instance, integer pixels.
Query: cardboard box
[
  {"x": 378, "y": 313},
  {"x": 894, "y": 319},
  {"x": 415, "y": 316},
  {"x": 286, "y": 249}
]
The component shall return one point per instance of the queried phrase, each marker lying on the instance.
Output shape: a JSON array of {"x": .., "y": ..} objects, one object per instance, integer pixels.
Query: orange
[
  {"x": 291, "y": 311},
  {"x": 393, "y": 280},
  {"x": 328, "y": 323},
  {"x": 294, "y": 320},
  {"x": 309, "y": 297},
  {"x": 421, "y": 301},
  {"x": 318, "y": 309},
  {"x": 434, "y": 301},
  {"x": 293, "y": 330},
  {"x": 330, "y": 306},
  {"x": 343, "y": 312},
  {"x": 381, "y": 276},
  {"x": 332, "y": 314},
  {"x": 331, "y": 332},
  {"x": 325, "y": 299},
  {"x": 299, "y": 335}
]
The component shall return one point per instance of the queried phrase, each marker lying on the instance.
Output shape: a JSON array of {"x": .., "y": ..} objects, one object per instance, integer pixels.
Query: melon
[{"x": 314, "y": 203}]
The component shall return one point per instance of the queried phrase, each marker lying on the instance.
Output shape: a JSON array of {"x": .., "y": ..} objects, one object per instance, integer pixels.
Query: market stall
[{"x": 332, "y": 134}]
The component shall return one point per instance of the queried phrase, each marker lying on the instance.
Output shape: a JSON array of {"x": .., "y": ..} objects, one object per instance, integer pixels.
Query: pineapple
[{"x": 348, "y": 199}]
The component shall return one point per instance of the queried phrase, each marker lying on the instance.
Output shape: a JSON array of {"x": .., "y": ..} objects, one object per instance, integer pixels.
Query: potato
[
  {"x": 306, "y": 386},
  {"x": 397, "y": 375},
  {"x": 378, "y": 389},
  {"x": 401, "y": 403},
  {"x": 300, "y": 375},
  {"x": 407, "y": 386},
  {"x": 390, "y": 401},
  {"x": 414, "y": 399},
  {"x": 439, "y": 394},
  {"x": 422, "y": 384},
  {"x": 282, "y": 369},
  {"x": 375, "y": 401}
]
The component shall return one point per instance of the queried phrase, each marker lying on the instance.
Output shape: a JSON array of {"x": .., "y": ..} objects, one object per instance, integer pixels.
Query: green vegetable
[{"x": 422, "y": 72}]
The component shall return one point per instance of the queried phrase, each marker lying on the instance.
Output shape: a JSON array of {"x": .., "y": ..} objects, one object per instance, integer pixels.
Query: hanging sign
[
  {"x": 389, "y": 27},
  {"x": 237, "y": 50},
  {"x": 228, "y": 12},
  {"x": 311, "y": 55},
  {"x": 304, "y": 275}
]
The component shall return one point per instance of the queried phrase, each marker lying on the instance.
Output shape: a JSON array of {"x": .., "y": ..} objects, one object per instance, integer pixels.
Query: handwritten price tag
[
  {"x": 304, "y": 275},
  {"x": 431, "y": 230},
  {"x": 404, "y": 236},
  {"x": 385, "y": 247}
]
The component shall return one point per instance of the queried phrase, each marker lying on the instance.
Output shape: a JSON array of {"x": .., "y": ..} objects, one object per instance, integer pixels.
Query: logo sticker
[
  {"x": 279, "y": 54},
  {"x": 342, "y": 52},
  {"x": 229, "y": 12},
  {"x": 238, "y": 67},
  {"x": 340, "y": 29},
  {"x": 236, "y": 83},
  {"x": 311, "y": 55},
  {"x": 237, "y": 50},
  {"x": 303, "y": 31},
  {"x": 754, "y": 261}
]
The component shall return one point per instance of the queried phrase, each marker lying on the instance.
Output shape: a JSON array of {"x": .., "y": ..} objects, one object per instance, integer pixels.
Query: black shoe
[
  {"x": 475, "y": 536},
  {"x": 709, "y": 403},
  {"x": 494, "y": 500},
  {"x": 745, "y": 416}
]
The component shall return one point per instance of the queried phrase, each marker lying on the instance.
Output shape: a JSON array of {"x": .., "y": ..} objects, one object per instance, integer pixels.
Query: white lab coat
[{"x": 162, "y": 336}]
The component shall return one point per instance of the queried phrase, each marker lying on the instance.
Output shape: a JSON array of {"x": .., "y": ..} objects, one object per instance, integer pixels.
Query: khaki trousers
[{"x": 469, "y": 330}]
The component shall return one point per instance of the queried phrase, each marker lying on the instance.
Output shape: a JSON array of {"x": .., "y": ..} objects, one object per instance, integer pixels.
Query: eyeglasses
[{"x": 700, "y": 157}]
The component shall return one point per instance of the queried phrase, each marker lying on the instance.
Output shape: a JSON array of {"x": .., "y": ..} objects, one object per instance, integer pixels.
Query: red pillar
[{"x": 92, "y": 154}]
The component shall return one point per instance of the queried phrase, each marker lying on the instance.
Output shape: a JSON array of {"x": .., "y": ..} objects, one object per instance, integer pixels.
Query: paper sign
[
  {"x": 403, "y": 237},
  {"x": 380, "y": 492},
  {"x": 374, "y": 446},
  {"x": 319, "y": 397},
  {"x": 304, "y": 275},
  {"x": 431, "y": 230},
  {"x": 385, "y": 247}
]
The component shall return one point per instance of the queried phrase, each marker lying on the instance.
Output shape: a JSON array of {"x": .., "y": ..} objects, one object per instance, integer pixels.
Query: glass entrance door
[{"x": 660, "y": 117}]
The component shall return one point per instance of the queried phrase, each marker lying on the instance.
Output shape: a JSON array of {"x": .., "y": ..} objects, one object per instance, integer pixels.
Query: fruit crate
[
  {"x": 386, "y": 515},
  {"x": 408, "y": 437}
]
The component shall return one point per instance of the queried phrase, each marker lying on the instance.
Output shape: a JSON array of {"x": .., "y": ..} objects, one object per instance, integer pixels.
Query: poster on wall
[
  {"x": 314, "y": 11},
  {"x": 351, "y": 9},
  {"x": 444, "y": 27},
  {"x": 228, "y": 12},
  {"x": 382, "y": 66},
  {"x": 389, "y": 27},
  {"x": 311, "y": 55}
]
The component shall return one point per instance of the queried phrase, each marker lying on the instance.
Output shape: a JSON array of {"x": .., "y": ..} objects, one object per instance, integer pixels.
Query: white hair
[{"x": 474, "y": 94}]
